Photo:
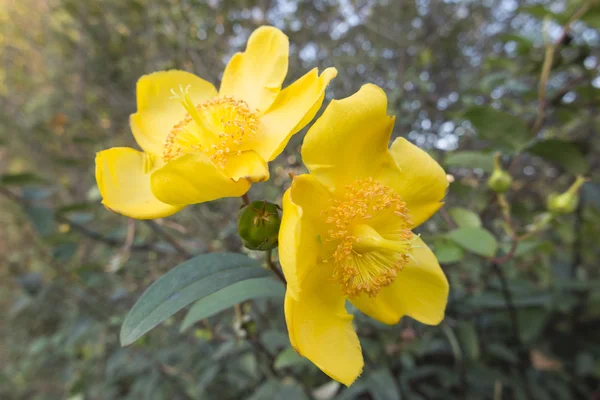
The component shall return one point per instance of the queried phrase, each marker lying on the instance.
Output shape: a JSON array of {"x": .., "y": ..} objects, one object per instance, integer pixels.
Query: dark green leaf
[
  {"x": 467, "y": 335},
  {"x": 382, "y": 385},
  {"x": 562, "y": 152},
  {"x": 26, "y": 178},
  {"x": 491, "y": 300},
  {"x": 231, "y": 295},
  {"x": 267, "y": 390},
  {"x": 353, "y": 392},
  {"x": 476, "y": 240},
  {"x": 532, "y": 322},
  {"x": 465, "y": 218},
  {"x": 471, "y": 159},
  {"x": 75, "y": 207},
  {"x": 186, "y": 283},
  {"x": 291, "y": 391},
  {"x": 498, "y": 126},
  {"x": 42, "y": 219},
  {"x": 503, "y": 352}
]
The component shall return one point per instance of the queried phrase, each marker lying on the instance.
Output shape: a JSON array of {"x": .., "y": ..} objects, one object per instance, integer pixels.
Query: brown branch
[
  {"x": 91, "y": 234},
  {"x": 172, "y": 241},
  {"x": 273, "y": 267},
  {"x": 245, "y": 199}
]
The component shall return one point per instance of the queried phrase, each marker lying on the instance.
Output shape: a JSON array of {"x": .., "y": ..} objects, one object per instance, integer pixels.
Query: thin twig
[
  {"x": 273, "y": 267},
  {"x": 544, "y": 77},
  {"x": 172, "y": 241},
  {"x": 547, "y": 66}
]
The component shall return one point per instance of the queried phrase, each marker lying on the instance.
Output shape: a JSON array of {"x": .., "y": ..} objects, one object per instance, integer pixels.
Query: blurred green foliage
[{"x": 463, "y": 79}]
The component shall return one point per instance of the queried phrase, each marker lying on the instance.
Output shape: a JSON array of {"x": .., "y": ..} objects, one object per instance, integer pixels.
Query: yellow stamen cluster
[
  {"x": 365, "y": 264},
  {"x": 222, "y": 126}
]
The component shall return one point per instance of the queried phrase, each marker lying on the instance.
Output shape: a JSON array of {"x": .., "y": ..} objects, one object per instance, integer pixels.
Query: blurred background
[{"x": 465, "y": 79}]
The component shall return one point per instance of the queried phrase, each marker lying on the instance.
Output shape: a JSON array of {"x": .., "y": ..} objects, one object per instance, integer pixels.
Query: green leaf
[
  {"x": 467, "y": 335},
  {"x": 231, "y": 295},
  {"x": 267, "y": 390},
  {"x": 471, "y": 159},
  {"x": 448, "y": 252},
  {"x": 476, "y": 240},
  {"x": 291, "y": 390},
  {"x": 464, "y": 218},
  {"x": 42, "y": 219},
  {"x": 184, "y": 284},
  {"x": 502, "y": 352},
  {"x": 289, "y": 358},
  {"x": 499, "y": 126},
  {"x": 26, "y": 178},
  {"x": 532, "y": 322},
  {"x": 382, "y": 385},
  {"x": 561, "y": 152}
]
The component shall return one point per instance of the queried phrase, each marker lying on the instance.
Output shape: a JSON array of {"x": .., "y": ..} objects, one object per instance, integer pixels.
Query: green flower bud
[
  {"x": 258, "y": 225},
  {"x": 565, "y": 203},
  {"x": 500, "y": 180}
]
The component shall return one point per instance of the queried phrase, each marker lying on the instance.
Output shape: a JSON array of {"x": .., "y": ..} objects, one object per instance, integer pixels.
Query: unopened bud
[
  {"x": 258, "y": 225},
  {"x": 500, "y": 180},
  {"x": 565, "y": 203}
]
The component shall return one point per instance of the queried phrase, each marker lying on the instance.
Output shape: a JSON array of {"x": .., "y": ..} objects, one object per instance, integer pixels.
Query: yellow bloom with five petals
[
  {"x": 199, "y": 144},
  {"x": 346, "y": 233}
]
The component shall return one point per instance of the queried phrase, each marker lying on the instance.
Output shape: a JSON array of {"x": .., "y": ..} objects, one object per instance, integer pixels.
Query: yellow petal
[
  {"x": 349, "y": 141},
  {"x": 194, "y": 178},
  {"x": 247, "y": 165},
  {"x": 157, "y": 112},
  {"x": 420, "y": 291},
  {"x": 256, "y": 75},
  {"x": 294, "y": 107},
  {"x": 123, "y": 177},
  {"x": 321, "y": 330},
  {"x": 300, "y": 243},
  {"x": 422, "y": 182}
]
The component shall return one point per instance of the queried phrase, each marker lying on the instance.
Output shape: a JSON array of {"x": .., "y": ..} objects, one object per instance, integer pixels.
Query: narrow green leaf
[
  {"x": 471, "y": 159},
  {"x": 465, "y": 218},
  {"x": 26, "y": 178},
  {"x": 561, "y": 152},
  {"x": 467, "y": 335},
  {"x": 184, "y": 284},
  {"x": 229, "y": 296},
  {"x": 476, "y": 240}
]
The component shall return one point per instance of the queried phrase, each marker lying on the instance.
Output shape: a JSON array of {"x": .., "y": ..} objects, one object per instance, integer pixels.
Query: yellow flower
[
  {"x": 200, "y": 144},
  {"x": 346, "y": 233}
]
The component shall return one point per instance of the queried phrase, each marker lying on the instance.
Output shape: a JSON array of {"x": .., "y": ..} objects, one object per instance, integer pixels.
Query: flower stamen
[
  {"x": 372, "y": 234},
  {"x": 219, "y": 127}
]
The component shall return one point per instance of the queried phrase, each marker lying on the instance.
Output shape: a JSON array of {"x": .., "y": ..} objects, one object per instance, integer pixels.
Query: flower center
[
  {"x": 372, "y": 235},
  {"x": 218, "y": 127}
]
